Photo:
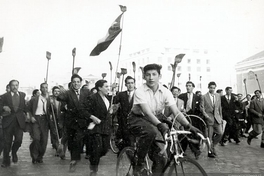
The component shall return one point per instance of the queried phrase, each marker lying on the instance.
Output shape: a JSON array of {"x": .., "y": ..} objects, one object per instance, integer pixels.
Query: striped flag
[
  {"x": 76, "y": 70},
  {"x": 112, "y": 32}
]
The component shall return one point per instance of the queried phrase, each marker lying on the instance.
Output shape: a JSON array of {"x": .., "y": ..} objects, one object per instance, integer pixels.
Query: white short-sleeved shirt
[{"x": 156, "y": 102}]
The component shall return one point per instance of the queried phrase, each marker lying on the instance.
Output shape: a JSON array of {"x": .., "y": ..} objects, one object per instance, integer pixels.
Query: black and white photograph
[{"x": 132, "y": 88}]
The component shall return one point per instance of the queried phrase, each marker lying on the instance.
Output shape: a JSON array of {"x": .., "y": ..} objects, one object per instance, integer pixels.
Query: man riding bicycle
[{"x": 144, "y": 122}]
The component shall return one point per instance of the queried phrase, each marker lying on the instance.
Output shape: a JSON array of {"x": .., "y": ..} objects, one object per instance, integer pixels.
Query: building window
[
  {"x": 169, "y": 68},
  {"x": 188, "y": 61},
  {"x": 208, "y": 69},
  {"x": 205, "y": 52},
  {"x": 207, "y": 61},
  {"x": 169, "y": 59},
  {"x": 196, "y": 51},
  {"x": 179, "y": 68},
  {"x": 198, "y": 61},
  {"x": 189, "y": 69},
  {"x": 198, "y": 69}
]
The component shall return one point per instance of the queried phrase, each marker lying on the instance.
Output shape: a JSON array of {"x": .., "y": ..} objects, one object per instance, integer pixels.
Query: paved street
[{"x": 232, "y": 160}]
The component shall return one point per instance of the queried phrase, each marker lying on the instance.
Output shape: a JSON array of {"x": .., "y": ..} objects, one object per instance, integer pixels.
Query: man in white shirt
[
  {"x": 143, "y": 122},
  {"x": 39, "y": 110}
]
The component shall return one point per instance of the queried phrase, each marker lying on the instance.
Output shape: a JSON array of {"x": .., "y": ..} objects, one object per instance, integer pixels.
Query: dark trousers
[
  {"x": 99, "y": 145},
  {"x": 75, "y": 136},
  {"x": 248, "y": 124},
  {"x": 40, "y": 133},
  {"x": 146, "y": 132},
  {"x": 1, "y": 140},
  {"x": 228, "y": 129},
  {"x": 12, "y": 131},
  {"x": 53, "y": 134}
]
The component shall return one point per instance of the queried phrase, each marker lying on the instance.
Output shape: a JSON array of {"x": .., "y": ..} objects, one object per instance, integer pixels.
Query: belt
[{"x": 41, "y": 115}]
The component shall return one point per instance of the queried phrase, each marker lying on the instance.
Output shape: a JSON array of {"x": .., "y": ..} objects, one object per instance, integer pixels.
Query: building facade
[
  {"x": 195, "y": 65},
  {"x": 250, "y": 74}
]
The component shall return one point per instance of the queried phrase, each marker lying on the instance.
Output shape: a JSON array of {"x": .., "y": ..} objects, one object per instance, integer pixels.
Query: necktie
[
  {"x": 228, "y": 99},
  {"x": 15, "y": 99},
  {"x": 129, "y": 96},
  {"x": 44, "y": 109},
  {"x": 78, "y": 95},
  {"x": 213, "y": 100},
  {"x": 188, "y": 106}
]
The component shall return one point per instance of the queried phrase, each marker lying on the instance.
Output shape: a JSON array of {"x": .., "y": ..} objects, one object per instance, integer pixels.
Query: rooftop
[{"x": 256, "y": 56}]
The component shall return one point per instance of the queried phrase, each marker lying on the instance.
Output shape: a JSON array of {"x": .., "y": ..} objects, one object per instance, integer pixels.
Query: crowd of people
[{"x": 79, "y": 117}]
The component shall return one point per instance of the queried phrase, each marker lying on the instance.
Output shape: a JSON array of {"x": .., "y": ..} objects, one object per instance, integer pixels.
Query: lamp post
[
  {"x": 123, "y": 72},
  {"x": 118, "y": 75},
  {"x": 177, "y": 60},
  {"x": 178, "y": 75}
]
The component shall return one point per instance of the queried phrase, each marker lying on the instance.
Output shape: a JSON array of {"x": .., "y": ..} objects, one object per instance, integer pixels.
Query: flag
[
  {"x": 76, "y": 70},
  {"x": 123, "y": 8},
  {"x": 104, "y": 43},
  {"x": 1, "y": 44},
  {"x": 48, "y": 55}
]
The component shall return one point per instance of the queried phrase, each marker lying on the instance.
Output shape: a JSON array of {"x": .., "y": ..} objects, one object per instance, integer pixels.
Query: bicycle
[
  {"x": 114, "y": 128},
  {"x": 178, "y": 164}
]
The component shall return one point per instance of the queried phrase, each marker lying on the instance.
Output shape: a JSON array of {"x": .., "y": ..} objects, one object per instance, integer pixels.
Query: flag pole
[
  {"x": 73, "y": 60},
  {"x": 47, "y": 72},
  {"x": 48, "y": 56},
  {"x": 120, "y": 45},
  {"x": 123, "y": 9}
]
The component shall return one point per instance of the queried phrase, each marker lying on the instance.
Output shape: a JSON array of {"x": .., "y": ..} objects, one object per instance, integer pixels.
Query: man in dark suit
[
  {"x": 212, "y": 112},
  {"x": 191, "y": 106},
  {"x": 257, "y": 111},
  {"x": 125, "y": 99},
  {"x": 98, "y": 106},
  {"x": 13, "y": 105},
  {"x": 228, "y": 109},
  {"x": 39, "y": 108},
  {"x": 76, "y": 118}
]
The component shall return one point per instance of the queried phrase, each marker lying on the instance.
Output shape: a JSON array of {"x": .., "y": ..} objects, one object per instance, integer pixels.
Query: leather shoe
[
  {"x": 93, "y": 173},
  {"x": 5, "y": 165},
  {"x": 39, "y": 161},
  {"x": 262, "y": 145},
  {"x": 211, "y": 155},
  {"x": 34, "y": 161},
  {"x": 249, "y": 140},
  {"x": 73, "y": 164},
  {"x": 14, "y": 158},
  {"x": 197, "y": 155}
]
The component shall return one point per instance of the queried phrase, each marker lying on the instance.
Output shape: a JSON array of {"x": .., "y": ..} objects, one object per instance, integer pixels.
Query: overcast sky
[{"x": 232, "y": 28}]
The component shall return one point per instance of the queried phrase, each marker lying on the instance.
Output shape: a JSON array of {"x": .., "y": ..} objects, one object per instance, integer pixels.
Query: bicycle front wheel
[
  {"x": 186, "y": 167},
  {"x": 113, "y": 146},
  {"x": 124, "y": 166}
]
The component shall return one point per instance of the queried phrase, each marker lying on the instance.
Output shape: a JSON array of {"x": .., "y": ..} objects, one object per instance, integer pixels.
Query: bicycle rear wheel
[
  {"x": 113, "y": 146},
  {"x": 124, "y": 166},
  {"x": 187, "y": 167}
]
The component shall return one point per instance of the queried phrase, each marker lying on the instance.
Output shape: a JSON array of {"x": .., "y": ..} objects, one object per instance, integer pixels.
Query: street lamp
[
  {"x": 103, "y": 75},
  {"x": 177, "y": 60},
  {"x": 178, "y": 75}
]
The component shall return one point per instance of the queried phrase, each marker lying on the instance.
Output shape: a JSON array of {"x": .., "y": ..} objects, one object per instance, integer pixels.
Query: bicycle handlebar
[{"x": 168, "y": 137}]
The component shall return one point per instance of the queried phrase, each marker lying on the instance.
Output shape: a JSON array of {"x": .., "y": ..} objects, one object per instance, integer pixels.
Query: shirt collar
[
  {"x": 12, "y": 93},
  {"x": 160, "y": 88}
]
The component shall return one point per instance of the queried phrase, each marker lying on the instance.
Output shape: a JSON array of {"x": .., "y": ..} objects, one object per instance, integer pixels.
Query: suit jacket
[
  {"x": 33, "y": 104},
  {"x": 228, "y": 109},
  {"x": 257, "y": 108},
  {"x": 19, "y": 115},
  {"x": 195, "y": 103},
  {"x": 125, "y": 106},
  {"x": 96, "y": 106},
  {"x": 210, "y": 112},
  {"x": 76, "y": 116}
]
